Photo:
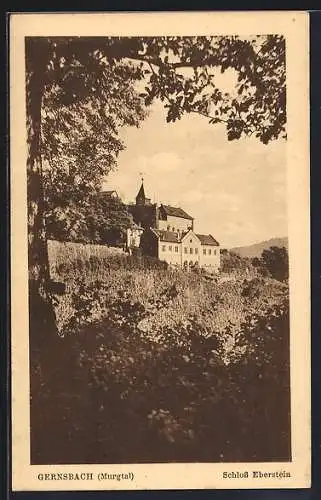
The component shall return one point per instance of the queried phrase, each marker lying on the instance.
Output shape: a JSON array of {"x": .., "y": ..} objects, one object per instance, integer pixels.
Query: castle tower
[
  {"x": 144, "y": 212},
  {"x": 141, "y": 198}
]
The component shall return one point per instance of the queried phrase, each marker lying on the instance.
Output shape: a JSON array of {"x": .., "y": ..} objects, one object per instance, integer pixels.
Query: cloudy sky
[{"x": 235, "y": 190}]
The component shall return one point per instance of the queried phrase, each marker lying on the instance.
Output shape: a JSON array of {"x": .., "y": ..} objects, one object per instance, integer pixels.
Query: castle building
[
  {"x": 167, "y": 233},
  {"x": 186, "y": 249}
]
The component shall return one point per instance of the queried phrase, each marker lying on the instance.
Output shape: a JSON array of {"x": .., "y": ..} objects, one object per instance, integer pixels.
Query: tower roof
[{"x": 141, "y": 192}]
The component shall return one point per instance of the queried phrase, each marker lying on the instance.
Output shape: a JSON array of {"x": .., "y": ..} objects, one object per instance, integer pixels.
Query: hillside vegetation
[
  {"x": 156, "y": 364},
  {"x": 255, "y": 250}
]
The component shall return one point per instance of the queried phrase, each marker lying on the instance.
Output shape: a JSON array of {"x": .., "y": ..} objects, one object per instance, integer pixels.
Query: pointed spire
[
  {"x": 141, "y": 198},
  {"x": 141, "y": 192}
]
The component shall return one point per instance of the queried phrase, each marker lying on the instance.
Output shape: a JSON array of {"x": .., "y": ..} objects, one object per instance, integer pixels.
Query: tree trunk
[{"x": 41, "y": 313}]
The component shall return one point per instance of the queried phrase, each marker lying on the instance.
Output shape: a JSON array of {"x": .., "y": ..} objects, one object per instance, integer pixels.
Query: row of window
[
  {"x": 177, "y": 229},
  {"x": 191, "y": 250},
  {"x": 169, "y": 248},
  {"x": 207, "y": 251}
]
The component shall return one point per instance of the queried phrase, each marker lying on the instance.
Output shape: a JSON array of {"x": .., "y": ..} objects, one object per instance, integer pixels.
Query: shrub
[
  {"x": 274, "y": 262},
  {"x": 195, "y": 370},
  {"x": 233, "y": 263}
]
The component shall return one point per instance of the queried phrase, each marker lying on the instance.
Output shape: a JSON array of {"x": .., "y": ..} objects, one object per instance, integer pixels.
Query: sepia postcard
[{"x": 160, "y": 251}]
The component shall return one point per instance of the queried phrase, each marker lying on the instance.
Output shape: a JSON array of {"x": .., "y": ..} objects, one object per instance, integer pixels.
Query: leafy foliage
[
  {"x": 85, "y": 103},
  {"x": 96, "y": 219},
  {"x": 274, "y": 262},
  {"x": 194, "y": 389},
  {"x": 232, "y": 262},
  {"x": 90, "y": 91},
  {"x": 181, "y": 74}
]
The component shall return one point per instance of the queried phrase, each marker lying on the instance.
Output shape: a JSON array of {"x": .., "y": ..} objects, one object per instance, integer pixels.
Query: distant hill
[{"x": 256, "y": 249}]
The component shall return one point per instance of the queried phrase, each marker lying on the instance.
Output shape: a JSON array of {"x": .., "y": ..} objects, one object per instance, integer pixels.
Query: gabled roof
[
  {"x": 108, "y": 194},
  {"x": 174, "y": 237},
  {"x": 185, "y": 234},
  {"x": 168, "y": 236},
  {"x": 207, "y": 239},
  {"x": 176, "y": 212}
]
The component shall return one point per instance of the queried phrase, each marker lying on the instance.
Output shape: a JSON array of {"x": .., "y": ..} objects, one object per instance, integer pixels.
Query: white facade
[
  {"x": 188, "y": 252},
  {"x": 170, "y": 252},
  {"x": 191, "y": 250},
  {"x": 210, "y": 256}
]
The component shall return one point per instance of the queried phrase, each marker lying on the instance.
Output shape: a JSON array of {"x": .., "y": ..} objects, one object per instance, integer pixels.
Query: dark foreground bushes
[{"x": 118, "y": 395}]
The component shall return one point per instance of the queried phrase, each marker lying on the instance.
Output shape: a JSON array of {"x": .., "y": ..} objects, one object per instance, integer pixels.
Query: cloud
[
  {"x": 192, "y": 196},
  {"x": 163, "y": 162}
]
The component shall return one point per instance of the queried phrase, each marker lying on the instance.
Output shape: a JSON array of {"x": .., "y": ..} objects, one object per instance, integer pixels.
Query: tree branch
[
  {"x": 206, "y": 115},
  {"x": 173, "y": 65}
]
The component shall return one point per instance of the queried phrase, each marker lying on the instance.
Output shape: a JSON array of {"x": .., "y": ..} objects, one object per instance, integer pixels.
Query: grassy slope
[{"x": 155, "y": 364}]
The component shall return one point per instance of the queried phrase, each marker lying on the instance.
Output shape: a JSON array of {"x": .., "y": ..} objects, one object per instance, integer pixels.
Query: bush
[
  {"x": 161, "y": 365},
  {"x": 274, "y": 262},
  {"x": 176, "y": 398},
  {"x": 233, "y": 263}
]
